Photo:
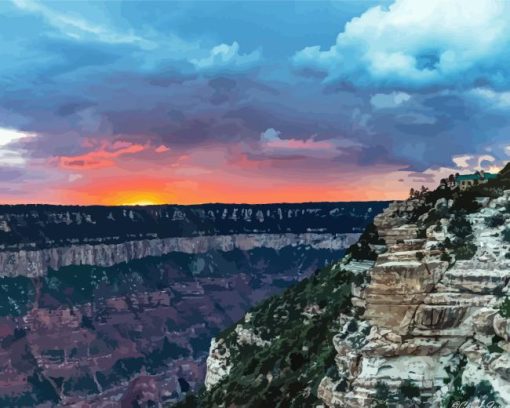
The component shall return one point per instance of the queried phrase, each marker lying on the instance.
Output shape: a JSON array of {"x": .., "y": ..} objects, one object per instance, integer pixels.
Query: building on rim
[{"x": 465, "y": 181}]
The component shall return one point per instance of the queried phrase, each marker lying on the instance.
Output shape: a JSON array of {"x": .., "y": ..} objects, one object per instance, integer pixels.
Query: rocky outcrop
[
  {"x": 218, "y": 363},
  {"x": 430, "y": 314}
]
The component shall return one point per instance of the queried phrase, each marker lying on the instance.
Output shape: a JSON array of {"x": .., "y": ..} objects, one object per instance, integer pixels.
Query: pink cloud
[
  {"x": 162, "y": 149},
  {"x": 296, "y": 144},
  {"x": 103, "y": 156}
]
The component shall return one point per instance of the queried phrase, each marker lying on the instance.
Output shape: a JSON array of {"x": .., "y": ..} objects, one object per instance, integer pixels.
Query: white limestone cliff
[
  {"x": 36, "y": 262},
  {"x": 428, "y": 316}
]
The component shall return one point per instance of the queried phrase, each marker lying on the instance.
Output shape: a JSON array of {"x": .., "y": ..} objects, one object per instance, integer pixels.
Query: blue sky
[{"x": 250, "y": 100}]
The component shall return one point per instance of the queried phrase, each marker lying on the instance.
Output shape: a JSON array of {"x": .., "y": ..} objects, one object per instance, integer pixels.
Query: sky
[{"x": 248, "y": 101}]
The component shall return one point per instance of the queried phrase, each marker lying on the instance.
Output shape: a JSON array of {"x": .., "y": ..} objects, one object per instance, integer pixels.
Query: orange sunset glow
[
  {"x": 152, "y": 191},
  {"x": 272, "y": 170}
]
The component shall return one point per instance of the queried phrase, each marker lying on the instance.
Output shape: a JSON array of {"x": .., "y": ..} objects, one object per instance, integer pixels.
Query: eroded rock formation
[{"x": 428, "y": 315}]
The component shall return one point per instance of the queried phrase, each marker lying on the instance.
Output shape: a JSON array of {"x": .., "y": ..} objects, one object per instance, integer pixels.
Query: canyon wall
[
  {"x": 36, "y": 262},
  {"x": 115, "y": 306},
  {"x": 46, "y": 226}
]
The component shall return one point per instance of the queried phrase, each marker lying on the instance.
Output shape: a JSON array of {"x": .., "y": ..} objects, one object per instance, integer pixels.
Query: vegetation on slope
[
  {"x": 362, "y": 249},
  {"x": 286, "y": 373}
]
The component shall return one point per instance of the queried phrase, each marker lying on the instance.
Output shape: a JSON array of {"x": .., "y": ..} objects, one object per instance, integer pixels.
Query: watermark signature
[{"x": 478, "y": 404}]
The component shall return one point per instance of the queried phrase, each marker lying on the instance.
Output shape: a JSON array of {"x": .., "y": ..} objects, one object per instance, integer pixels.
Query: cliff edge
[{"x": 417, "y": 314}]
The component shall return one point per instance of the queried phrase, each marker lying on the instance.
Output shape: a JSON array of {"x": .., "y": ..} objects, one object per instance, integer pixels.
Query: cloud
[
  {"x": 270, "y": 135},
  {"x": 463, "y": 165},
  {"x": 476, "y": 162},
  {"x": 390, "y": 100},
  {"x": 10, "y": 153},
  {"x": 462, "y": 161},
  {"x": 266, "y": 119},
  {"x": 79, "y": 28},
  {"x": 499, "y": 100},
  {"x": 74, "y": 177},
  {"x": 103, "y": 156},
  {"x": 162, "y": 149},
  {"x": 226, "y": 56},
  {"x": 273, "y": 143},
  {"x": 418, "y": 44}
]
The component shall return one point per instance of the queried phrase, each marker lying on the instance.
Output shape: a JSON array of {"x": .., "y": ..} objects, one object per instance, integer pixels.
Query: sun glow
[
  {"x": 141, "y": 203},
  {"x": 141, "y": 199}
]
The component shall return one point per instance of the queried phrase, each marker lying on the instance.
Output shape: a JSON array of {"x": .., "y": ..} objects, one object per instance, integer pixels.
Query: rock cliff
[
  {"x": 426, "y": 322},
  {"x": 46, "y": 226},
  {"x": 36, "y": 262},
  {"x": 434, "y": 310}
]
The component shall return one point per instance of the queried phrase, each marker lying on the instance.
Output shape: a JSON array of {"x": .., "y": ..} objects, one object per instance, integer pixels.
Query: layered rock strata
[
  {"x": 428, "y": 315},
  {"x": 34, "y": 263}
]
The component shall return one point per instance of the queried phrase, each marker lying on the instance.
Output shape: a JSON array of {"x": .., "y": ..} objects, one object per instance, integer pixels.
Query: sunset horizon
[{"x": 110, "y": 105}]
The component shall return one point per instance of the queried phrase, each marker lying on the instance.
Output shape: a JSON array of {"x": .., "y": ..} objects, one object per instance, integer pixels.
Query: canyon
[
  {"x": 417, "y": 314},
  {"x": 116, "y": 306}
]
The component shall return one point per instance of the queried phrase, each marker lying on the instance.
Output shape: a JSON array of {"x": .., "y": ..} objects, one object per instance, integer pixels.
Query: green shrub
[
  {"x": 460, "y": 245},
  {"x": 465, "y": 202},
  {"x": 460, "y": 227},
  {"x": 504, "y": 308},
  {"x": 465, "y": 251},
  {"x": 361, "y": 278},
  {"x": 332, "y": 372},
  {"x": 353, "y": 326},
  {"x": 342, "y": 385},
  {"x": 84, "y": 383},
  {"x": 495, "y": 220},
  {"x": 191, "y": 401},
  {"x": 361, "y": 249},
  {"x": 445, "y": 257},
  {"x": 493, "y": 347},
  {"x": 409, "y": 390},
  {"x": 382, "y": 395},
  {"x": 42, "y": 388},
  {"x": 16, "y": 295},
  {"x": 506, "y": 235},
  {"x": 299, "y": 356},
  {"x": 465, "y": 394},
  {"x": 86, "y": 323}
]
